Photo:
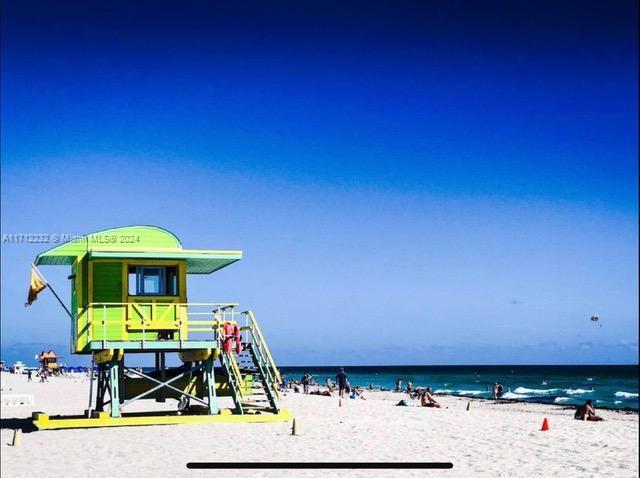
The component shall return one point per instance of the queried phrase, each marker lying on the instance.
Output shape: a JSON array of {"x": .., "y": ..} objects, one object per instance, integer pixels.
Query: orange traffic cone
[{"x": 545, "y": 425}]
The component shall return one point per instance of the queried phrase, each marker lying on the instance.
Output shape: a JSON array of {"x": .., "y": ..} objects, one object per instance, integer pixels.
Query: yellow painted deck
[{"x": 102, "y": 419}]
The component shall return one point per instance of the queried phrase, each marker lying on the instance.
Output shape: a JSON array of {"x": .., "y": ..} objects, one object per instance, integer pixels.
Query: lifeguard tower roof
[{"x": 137, "y": 242}]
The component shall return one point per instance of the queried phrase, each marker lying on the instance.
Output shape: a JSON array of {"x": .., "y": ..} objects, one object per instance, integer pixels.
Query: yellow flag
[{"x": 36, "y": 285}]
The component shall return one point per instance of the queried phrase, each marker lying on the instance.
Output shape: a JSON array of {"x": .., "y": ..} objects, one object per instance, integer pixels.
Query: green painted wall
[
  {"x": 107, "y": 282},
  {"x": 107, "y": 287}
]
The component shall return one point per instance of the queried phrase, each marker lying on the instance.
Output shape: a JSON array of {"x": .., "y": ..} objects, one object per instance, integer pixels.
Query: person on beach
[
  {"x": 409, "y": 386},
  {"x": 326, "y": 393},
  {"x": 357, "y": 393},
  {"x": 306, "y": 379},
  {"x": 329, "y": 384},
  {"x": 417, "y": 393},
  {"x": 398, "y": 385},
  {"x": 587, "y": 412},
  {"x": 497, "y": 390},
  {"x": 343, "y": 382},
  {"x": 29, "y": 375},
  {"x": 283, "y": 384},
  {"x": 427, "y": 399}
]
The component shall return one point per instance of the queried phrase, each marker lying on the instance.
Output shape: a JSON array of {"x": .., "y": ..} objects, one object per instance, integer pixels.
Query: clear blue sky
[{"x": 411, "y": 182}]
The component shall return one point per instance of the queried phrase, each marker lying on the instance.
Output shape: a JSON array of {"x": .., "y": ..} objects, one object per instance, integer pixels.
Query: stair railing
[
  {"x": 236, "y": 382},
  {"x": 263, "y": 355}
]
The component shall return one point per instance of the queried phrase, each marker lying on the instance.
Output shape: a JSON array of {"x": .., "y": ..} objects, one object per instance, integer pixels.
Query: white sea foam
[
  {"x": 576, "y": 391},
  {"x": 470, "y": 392},
  {"x": 536, "y": 391},
  {"x": 626, "y": 395},
  {"x": 515, "y": 396},
  {"x": 443, "y": 391},
  {"x": 565, "y": 400},
  {"x": 618, "y": 402}
]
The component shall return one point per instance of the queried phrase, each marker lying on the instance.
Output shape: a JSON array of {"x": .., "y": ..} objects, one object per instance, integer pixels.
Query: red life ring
[{"x": 227, "y": 337}]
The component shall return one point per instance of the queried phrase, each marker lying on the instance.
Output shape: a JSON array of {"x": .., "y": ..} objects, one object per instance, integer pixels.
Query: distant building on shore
[
  {"x": 49, "y": 361},
  {"x": 18, "y": 367}
]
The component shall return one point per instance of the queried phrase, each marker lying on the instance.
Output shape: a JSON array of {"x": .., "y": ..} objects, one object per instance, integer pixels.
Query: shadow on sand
[{"x": 24, "y": 424}]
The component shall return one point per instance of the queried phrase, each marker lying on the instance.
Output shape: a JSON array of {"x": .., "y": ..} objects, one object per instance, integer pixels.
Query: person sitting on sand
[
  {"x": 417, "y": 393},
  {"x": 587, "y": 412},
  {"x": 427, "y": 399},
  {"x": 357, "y": 393},
  {"x": 329, "y": 384}
]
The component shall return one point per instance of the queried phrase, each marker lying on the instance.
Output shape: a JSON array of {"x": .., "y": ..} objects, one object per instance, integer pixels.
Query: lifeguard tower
[
  {"x": 129, "y": 297},
  {"x": 49, "y": 361}
]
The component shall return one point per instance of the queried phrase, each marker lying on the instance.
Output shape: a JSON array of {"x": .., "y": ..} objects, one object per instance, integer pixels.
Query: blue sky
[{"x": 411, "y": 182}]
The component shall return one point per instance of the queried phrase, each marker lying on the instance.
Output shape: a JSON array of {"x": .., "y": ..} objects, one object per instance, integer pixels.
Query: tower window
[{"x": 153, "y": 280}]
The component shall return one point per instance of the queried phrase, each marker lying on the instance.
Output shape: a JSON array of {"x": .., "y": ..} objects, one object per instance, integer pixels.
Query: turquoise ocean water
[{"x": 609, "y": 386}]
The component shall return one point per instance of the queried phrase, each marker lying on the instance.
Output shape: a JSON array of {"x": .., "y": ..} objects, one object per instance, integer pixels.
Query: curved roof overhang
[{"x": 137, "y": 242}]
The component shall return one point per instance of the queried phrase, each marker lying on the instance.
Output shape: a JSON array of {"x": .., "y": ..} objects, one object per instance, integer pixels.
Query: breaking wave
[
  {"x": 576, "y": 391},
  {"x": 536, "y": 391},
  {"x": 626, "y": 395},
  {"x": 515, "y": 396},
  {"x": 470, "y": 392},
  {"x": 566, "y": 400}
]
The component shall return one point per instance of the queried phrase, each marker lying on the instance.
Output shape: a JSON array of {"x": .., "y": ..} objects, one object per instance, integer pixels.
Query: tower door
[
  {"x": 107, "y": 282},
  {"x": 108, "y": 313}
]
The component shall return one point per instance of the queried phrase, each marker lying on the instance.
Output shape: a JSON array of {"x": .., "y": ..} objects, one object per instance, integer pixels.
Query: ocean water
[{"x": 609, "y": 386}]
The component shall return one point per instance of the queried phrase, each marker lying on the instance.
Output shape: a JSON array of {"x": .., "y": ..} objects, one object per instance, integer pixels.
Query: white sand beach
[{"x": 489, "y": 440}]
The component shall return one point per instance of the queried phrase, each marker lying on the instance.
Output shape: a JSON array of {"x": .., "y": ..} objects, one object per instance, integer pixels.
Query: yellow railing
[
  {"x": 235, "y": 370},
  {"x": 142, "y": 317},
  {"x": 262, "y": 351}
]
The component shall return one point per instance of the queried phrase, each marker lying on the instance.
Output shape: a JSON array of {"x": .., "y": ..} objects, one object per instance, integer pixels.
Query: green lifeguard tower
[{"x": 129, "y": 297}]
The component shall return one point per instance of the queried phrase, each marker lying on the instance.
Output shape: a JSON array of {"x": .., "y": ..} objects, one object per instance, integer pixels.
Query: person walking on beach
[
  {"x": 306, "y": 379},
  {"x": 343, "y": 382},
  {"x": 29, "y": 375},
  {"x": 398, "y": 385}
]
